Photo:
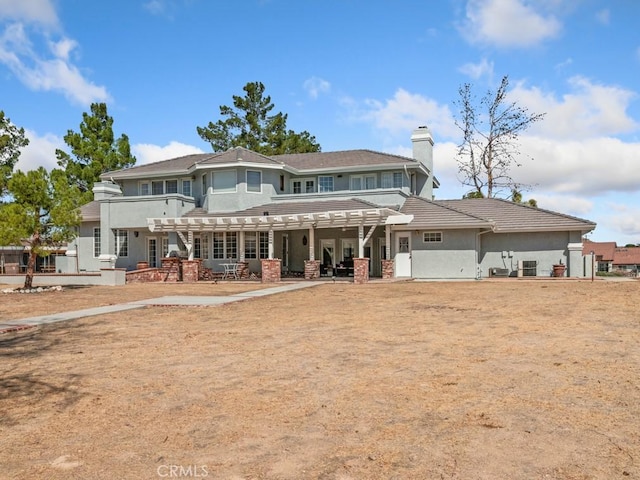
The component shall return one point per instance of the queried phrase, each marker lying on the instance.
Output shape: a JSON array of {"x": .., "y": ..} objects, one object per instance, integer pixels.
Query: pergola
[{"x": 185, "y": 227}]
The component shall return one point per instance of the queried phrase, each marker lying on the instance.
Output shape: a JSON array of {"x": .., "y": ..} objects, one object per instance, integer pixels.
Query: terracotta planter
[{"x": 558, "y": 270}]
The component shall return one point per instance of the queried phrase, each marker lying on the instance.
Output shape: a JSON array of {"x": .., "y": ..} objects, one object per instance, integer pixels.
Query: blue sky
[{"x": 356, "y": 74}]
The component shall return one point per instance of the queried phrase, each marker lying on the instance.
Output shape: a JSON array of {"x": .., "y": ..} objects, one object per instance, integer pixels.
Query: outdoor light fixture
[
  {"x": 136, "y": 233},
  {"x": 304, "y": 239}
]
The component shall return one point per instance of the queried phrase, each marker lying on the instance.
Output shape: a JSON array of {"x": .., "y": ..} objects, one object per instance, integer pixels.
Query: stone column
[
  {"x": 271, "y": 270},
  {"x": 311, "y": 269},
  {"x": 575, "y": 260},
  {"x": 360, "y": 270}
]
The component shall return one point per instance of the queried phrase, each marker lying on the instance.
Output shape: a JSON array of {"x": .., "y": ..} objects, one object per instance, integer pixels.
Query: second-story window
[
  {"x": 157, "y": 187},
  {"x": 303, "y": 185},
  {"x": 171, "y": 186},
  {"x": 362, "y": 182},
  {"x": 144, "y": 188},
  {"x": 325, "y": 184},
  {"x": 186, "y": 187},
  {"x": 254, "y": 181},
  {"x": 392, "y": 180},
  {"x": 224, "y": 181}
]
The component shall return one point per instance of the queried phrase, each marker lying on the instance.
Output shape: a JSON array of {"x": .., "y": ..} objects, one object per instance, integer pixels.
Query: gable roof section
[
  {"x": 238, "y": 155},
  {"x": 431, "y": 215},
  {"x": 347, "y": 158},
  {"x": 514, "y": 217}
]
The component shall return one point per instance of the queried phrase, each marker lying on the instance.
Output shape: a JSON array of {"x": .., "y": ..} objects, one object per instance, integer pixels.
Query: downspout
[{"x": 478, "y": 243}]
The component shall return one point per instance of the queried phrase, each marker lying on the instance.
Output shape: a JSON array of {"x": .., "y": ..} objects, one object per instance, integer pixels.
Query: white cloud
[
  {"x": 477, "y": 70},
  {"x": 315, "y": 86},
  {"x": 149, "y": 153},
  {"x": 588, "y": 111},
  {"x": 406, "y": 111},
  {"x": 41, "y": 151},
  {"x": 31, "y": 11},
  {"x": 569, "y": 204},
  {"x": 507, "y": 23},
  {"x": 55, "y": 73},
  {"x": 625, "y": 220}
]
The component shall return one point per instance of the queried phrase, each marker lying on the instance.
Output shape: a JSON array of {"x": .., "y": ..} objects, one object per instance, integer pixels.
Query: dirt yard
[{"x": 467, "y": 380}]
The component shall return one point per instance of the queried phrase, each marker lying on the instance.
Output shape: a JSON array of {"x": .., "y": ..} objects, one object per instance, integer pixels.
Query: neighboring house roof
[
  {"x": 508, "y": 216},
  {"x": 604, "y": 251},
  {"x": 432, "y": 215},
  {"x": 90, "y": 212},
  {"x": 626, "y": 256}
]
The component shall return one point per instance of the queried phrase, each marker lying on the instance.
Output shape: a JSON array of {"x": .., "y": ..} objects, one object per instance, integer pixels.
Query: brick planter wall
[
  {"x": 387, "y": 268},
  {"x": 171, "y": 269},
  {"x": 142, "y": 265},
  {"x": 360, "y": 270},
  {"x": 190, "y": 270},
  {"x": 243, "y": 270},
  {"x": 271, "y": 270},
  {"x": 311, "y": 269}
]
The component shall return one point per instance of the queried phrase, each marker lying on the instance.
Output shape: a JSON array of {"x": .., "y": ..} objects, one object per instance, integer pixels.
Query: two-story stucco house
[{"x": 317, "y": 214}]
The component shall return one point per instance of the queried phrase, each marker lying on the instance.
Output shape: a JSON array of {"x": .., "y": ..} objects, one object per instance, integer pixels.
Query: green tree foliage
[
  {"x": 516, "y": 197},
  {"x": 489, "y": 148},
  {"x": 94, "y": 150},
  {"x": 12, "y": 139},
  {"x": 249, "y": 124},
  {"x": 44, "y": 213}
]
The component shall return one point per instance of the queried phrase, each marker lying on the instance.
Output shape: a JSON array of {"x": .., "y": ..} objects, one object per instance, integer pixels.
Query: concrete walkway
[{"x": 182, "y": 300}]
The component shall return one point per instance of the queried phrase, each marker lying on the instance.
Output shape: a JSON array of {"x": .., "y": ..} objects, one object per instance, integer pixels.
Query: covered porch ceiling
[{"x": 295, "y": 221}]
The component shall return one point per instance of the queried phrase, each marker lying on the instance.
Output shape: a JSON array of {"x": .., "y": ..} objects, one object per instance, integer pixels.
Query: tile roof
[
  {"x": 428, "y": 214},
  {"x": 346, "y": 158},
  {"x": 626, "y": 256},
  {"x": 90, "y": 212},
  {"x": 512, "y": 217},
  {"x": 297, "y": 161},
  {"x": 180, "y": 165},
  {"x": 290, "y": 208},
  {"x": 602, "y": 250}
]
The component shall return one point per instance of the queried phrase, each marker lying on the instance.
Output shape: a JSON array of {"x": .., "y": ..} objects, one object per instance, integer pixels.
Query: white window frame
[
  {"x": 144, "y": 188},
  {"x": 221, "y": 175},
  {"x": 121, "y": 243},
  {"x": 155, "y": 183},
  {"x": 251, "y": 245},
  {"x": 329, "y": 187},
  {"x": 174, "y": 186},
  {"x": 303, "y": 185},
  {"x": 204, "y": 184},
  {"x": 187, "y": 192},
  {"x": 364, "y": 180},
  {"x": 263, "y": 245},
  {"x": 431, "y": 237},
  {"x": 252, "y": 188},
  {"x": 390, "y": 180},
  {"x": 97, "y": 245}
]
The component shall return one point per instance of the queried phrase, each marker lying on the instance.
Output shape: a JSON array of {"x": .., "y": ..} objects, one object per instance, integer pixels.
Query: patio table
[{"x": 230, "y": 269}]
